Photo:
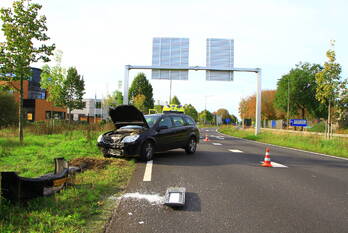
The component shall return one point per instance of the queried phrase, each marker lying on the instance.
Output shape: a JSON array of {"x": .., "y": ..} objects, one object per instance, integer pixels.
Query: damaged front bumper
[{"x": 120, "y": 150}]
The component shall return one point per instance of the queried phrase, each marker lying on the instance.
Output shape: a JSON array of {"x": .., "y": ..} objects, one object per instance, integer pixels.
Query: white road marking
[
  {"x": 217, "y": 144},
  {"x": 148, "y": 171},
  {"x": 276, "y": 164},
  {"x": 236, "y": 151},
  {"x": 207, "y": 130},
  {"x": 283, "y": 147}
]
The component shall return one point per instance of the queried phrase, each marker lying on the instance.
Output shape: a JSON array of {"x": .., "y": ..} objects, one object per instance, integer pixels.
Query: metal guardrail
[{"x": 20, "y": 189}]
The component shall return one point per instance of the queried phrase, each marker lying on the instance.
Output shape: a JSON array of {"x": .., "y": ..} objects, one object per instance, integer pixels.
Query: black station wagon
[{"x": 139, "y": 135}]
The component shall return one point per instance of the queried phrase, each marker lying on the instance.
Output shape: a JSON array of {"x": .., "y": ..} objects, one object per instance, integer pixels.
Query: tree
[
  {"x": 191, "y": 111},
  {"x": 139, "y": 102},
  {"x": 342, "y": 105},
  {"x": 73, "y": 90},
  {"x": 247, "y": 106},
  {"x": 158, "y": 108},
  {"x": 113, "y": 100},
  {"x": 25, "y": 33},
  {"x": 206, "y": 117},
  {"x": 175, "y": 100},
  {"x": 9, "y": 109},
  {"x": 141, "y": 85},
  {"x": 233, "y": 118},
  {"x": 52, "y": 79},
  {"x": 298, "y": 89},
  {"x": 329, "y": 85},
  {"x": 223, "y": 113},
  {"x": 243, "y": 109},
  {"x": 269, "y": 112}
]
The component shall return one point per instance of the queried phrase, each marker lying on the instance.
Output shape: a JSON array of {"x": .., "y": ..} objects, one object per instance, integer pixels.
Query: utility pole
[
  {"x": 288, "y": 103},
  {"x": 170, "y": 90},
  {"x": 205, "y": 110}
]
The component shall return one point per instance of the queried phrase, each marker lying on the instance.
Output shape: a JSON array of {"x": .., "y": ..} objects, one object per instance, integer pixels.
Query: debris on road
[
  {"x": 152, "y": 198},
  {"x": 175, "y": 197}
]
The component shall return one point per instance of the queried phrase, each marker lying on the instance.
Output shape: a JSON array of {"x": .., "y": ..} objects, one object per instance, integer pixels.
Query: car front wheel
[
  {"x": 191, "y": 146},
  {"x": 147, "y": 151}
]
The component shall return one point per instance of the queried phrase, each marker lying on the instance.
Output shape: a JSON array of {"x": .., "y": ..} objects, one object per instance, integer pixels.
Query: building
[
  {"x": 92, "y": 112},
  {"x": 35, "y": 104}
]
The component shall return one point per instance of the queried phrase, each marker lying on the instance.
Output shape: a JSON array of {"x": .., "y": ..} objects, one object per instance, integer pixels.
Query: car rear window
[{"x": 178, "y": 121}]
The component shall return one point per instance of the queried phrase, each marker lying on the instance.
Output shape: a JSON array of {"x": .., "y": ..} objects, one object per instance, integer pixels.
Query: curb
[{"x": 283, "y": 147}]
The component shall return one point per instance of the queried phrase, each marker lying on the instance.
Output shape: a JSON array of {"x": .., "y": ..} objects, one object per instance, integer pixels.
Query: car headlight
[
  {"x": 131, "y": 138},
  {"x": 100, "y": 138}
]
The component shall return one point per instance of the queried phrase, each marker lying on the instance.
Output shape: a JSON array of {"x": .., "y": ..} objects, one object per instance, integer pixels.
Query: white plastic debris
[{"x": 152, "y": 198}]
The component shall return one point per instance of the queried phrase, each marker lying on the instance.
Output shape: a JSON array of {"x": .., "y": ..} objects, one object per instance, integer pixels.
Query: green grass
[
  {"x": 335, "y": 146},
  {"x": 83, "y": 207}
]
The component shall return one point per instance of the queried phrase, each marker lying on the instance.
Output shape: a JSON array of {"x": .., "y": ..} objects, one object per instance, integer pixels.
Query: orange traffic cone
[
  {"x": 206, "y": 139},
  {"x": 267, "y": 160}
]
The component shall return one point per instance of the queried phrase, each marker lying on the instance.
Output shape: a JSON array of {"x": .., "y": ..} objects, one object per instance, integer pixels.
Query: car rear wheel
[
  {"x": 191, "y": 146},
  {"x": 147, "y": 151}
]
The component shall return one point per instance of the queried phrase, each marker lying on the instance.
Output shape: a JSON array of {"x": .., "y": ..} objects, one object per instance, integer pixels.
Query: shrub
[{"x": 8, "y": 109}]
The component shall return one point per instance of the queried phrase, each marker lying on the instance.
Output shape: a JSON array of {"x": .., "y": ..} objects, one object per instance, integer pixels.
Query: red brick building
[{"x": 35, "y": 104}]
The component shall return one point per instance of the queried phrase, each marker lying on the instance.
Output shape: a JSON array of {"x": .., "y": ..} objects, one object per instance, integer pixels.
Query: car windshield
[
  {"x": 131, "y": 127},
  {"x": 151, "y": 119}
]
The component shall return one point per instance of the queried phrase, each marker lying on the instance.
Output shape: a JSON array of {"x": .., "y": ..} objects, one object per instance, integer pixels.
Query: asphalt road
[{"x": 230, "y": 192}]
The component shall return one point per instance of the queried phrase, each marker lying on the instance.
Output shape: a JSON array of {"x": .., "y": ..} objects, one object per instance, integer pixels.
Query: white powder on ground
[{"x": 152, "y": 198}]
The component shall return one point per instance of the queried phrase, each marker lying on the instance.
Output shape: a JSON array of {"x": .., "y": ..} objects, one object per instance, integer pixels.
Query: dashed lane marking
[
  {"x": 148, "y": 171},
  {"x": 236, "y": 151},
  {"x": 217, "y": 144}
]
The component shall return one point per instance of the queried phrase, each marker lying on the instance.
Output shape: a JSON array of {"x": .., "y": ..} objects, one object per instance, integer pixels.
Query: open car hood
[{"x": 124, "y": 115}]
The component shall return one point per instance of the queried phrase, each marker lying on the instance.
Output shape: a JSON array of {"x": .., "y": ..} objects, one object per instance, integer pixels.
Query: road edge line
[{"x": 284, "y": 147}]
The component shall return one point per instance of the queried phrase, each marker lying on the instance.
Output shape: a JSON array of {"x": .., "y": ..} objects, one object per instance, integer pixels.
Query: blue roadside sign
[
  {"x": 227, "y": 120},
  {"x": 298, "y": 122}
]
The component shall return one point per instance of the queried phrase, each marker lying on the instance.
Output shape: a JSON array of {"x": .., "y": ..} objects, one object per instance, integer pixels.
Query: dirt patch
[{"x": 95, "y": 163}]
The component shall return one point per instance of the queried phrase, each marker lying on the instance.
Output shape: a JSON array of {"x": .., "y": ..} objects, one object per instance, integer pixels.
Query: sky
[{"x": 100, "y": 37}]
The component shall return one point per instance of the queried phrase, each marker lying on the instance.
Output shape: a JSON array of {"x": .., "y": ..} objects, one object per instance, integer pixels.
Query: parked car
[{"x": 142, "y": 136}]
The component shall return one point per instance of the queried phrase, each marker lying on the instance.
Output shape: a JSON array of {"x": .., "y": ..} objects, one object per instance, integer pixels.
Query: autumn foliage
[{"x": 247, "y": 106}]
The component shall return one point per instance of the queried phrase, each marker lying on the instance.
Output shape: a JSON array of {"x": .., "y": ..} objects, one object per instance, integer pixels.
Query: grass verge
[
  {"x": 336, "y": 146},
  {"x": 84, "y": 207}
]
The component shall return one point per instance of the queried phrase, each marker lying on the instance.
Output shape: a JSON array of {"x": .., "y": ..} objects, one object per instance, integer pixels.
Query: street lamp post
[{"x": 288, "y": 102}]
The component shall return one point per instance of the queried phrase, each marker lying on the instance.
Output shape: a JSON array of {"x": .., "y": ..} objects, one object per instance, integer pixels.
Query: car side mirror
[{"x": 162, "y": 127}]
